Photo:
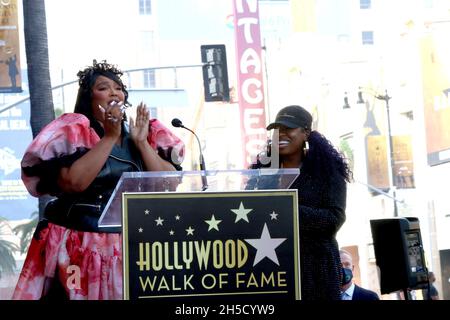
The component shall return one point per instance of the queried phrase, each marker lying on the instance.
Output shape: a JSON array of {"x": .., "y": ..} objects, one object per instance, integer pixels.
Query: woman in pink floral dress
[{"x": 78, "y": 158}]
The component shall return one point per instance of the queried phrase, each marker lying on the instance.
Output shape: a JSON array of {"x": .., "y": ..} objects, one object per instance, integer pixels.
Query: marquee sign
[
  {"x": 250, "y": 84},
  {"x": 209, "y": 244}
]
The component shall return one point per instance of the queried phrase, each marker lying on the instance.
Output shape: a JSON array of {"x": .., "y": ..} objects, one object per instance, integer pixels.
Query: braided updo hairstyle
[{"x": 87, "y": 78}]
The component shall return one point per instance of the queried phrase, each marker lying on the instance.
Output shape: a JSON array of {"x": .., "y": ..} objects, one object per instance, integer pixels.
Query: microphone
[{"x": 178, "y": 124}]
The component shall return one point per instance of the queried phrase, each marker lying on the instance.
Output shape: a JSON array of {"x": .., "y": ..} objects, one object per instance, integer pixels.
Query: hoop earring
[{"x": 306, "y": 148}]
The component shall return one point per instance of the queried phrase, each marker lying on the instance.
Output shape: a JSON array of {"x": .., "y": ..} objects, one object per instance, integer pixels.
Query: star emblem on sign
[
  {"x": 213, "y": 223},
  {"x": 265, "y": 246},
  {"x": 274, "y": 216},
  {"x": 190, "y": 231},
  {"x": 241, "y": 213}
]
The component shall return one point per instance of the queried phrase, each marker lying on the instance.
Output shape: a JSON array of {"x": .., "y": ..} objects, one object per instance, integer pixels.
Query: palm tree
[
  {"x": 36, "y": 48},
  {"x": 26, "y": 231},
  {"x": 7, "y": 261},
  {"x": 41, "y": 113}
]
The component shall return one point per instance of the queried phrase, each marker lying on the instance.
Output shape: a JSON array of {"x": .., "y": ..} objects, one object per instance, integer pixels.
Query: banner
[
  {"x": 10, "y": 78},
  {"x": 378, "y": 165},
  {"x": 377, "y": 162},
  {"x": 15, "y": 136},
  {"x": 436, "y": 84},
  {"x": 403, "y": 162},
  {"x": 250, "y": 78},
  {"x": 211, "y": 245}
]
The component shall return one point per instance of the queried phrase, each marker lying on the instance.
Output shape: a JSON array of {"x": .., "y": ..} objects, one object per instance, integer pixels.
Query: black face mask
[{"x": 347, "y": 276}]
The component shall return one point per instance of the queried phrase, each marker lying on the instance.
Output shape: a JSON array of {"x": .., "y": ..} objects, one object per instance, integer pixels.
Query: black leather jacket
[{"x": 81, "y": 211}]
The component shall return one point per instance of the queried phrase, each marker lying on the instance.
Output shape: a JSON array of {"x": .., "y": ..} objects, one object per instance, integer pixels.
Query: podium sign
[
  {"x": 191, "y": 181},
  {"x": 211, "y": 245}
]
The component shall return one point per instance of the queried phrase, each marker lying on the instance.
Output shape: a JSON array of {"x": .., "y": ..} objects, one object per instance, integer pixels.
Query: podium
[{"x": 238, "y": 238}]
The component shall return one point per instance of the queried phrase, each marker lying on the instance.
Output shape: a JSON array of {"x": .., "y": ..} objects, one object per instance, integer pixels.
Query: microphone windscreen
[{"x": 177, "y": 123}]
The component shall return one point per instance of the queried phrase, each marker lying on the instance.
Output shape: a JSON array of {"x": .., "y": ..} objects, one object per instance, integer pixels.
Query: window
[
  {"x": 145, "y": 7},
  {"x": 149, "y": 79},
  {"x": 365, "y": 4},
  {"x": 367, "y": 37},
  {"x": 153, "y": 112}
]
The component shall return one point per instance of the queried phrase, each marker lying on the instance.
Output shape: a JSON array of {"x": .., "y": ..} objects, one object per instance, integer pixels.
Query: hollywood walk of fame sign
[{"x": 211, "y": 245}]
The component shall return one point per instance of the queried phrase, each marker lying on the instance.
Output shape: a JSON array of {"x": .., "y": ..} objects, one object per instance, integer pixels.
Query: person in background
[
  {"x": 322, "y": 193},
  {"x": 351, "y": 291},
  {"x": 78, "y": 158},
  {"x": 434, "y": 294}
]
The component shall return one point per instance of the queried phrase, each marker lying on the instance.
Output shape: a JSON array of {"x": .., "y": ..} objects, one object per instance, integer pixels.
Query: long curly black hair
[
  {"x": 321, "y": 161},
  {"x": 323, "y": 158},
  {"x": 87, "y": 78}
]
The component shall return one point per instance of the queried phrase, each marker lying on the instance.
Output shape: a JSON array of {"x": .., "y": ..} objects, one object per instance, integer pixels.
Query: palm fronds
[
  {"x": 26, "y": 231},
  {"x": 7, "y": 261}
]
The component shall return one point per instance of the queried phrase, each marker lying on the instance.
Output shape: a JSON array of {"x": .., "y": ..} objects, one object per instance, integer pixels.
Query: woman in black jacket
[{"x": 322, "y": 192}]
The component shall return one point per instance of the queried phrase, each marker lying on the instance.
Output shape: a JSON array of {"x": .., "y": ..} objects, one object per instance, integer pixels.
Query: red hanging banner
[{"x": 249, "y": 77}]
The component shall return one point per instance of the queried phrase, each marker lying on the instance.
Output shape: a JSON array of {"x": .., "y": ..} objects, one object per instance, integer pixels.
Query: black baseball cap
[{"x": 292, "y": 117}]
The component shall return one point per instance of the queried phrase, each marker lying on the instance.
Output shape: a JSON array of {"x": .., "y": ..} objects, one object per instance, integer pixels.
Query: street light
[
  {"x": 386, "y": 99},
  {"x": 346, "y": 104}
]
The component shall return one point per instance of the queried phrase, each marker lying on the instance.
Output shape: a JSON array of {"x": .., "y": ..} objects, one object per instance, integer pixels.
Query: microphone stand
[
  {"x": 178, "y": 123},
  {"x": 202, "y": 161}
]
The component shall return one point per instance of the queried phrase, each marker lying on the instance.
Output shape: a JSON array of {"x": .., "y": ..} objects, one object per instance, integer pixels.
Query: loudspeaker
[{"x": 399, "y": 254}]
